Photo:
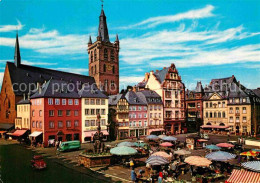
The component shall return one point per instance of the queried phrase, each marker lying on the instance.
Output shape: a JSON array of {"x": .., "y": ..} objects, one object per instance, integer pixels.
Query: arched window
[
  {"x": 105, "y": 54},
  {"x": 113, "y": 69},
  {"x": 215, "y": 114},
  {"x": 91, "y": 57},
  {"x": 219, "y": 114},
  {"x": 105, "y": 68},
  {"x": 112, "y": 56},
  {"x": 210, "y": 114},
  {"x": 95, "y": 55},
  {"x": 223, "y": 114}
]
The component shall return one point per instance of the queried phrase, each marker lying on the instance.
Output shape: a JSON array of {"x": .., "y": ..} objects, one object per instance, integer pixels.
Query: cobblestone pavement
[{"x": 116, "y": 173}]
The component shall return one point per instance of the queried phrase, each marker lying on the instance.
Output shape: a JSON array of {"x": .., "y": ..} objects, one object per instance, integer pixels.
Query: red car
[{"x": 38, "y": 162}]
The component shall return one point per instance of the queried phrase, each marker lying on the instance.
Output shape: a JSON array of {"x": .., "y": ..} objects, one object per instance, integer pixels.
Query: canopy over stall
[
  {"x": 35, "y": 134},
  {"x": 242, "y": 176},
  {"x": 19, "y": 133}
]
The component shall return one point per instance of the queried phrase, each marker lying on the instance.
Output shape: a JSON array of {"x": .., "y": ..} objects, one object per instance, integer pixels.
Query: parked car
[
  {"x": 69, "y": 145},
  {"x": 38, "y": 162}
]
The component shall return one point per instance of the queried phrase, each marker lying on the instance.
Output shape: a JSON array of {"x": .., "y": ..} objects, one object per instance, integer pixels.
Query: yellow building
[
  {"x": 23, "y": 120},
  {"x": 93, "y": 102},
  {"x": 121, "y": 105},
  {"x": 215, "y": 111}
]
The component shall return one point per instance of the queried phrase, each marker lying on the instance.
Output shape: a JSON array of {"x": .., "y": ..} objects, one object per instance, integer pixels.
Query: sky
[{"x": 204, "y": 39}]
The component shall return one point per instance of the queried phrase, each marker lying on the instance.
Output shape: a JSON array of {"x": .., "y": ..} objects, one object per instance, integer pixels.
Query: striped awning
[
  {"x": 19, "y": 133},
  {"x": 243, "y": 176}
]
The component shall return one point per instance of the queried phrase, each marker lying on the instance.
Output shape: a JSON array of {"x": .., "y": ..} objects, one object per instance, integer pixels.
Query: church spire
[
  {"x": 102, "y": 29},
  {"x": 17, "y": 56}
]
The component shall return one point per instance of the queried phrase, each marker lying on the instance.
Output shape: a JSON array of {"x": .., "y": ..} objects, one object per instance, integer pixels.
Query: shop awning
[
  {"x": 19, "y": 133},
  {"x": 3, "y": 132},
  {"x": 156, "y": 130},
  {"x": 6, "y": 126},
  {"x": 214, "y": 126},
  {"x": 238, "y": 176},
  {"x": 91, "y": 133},
  {"x": 35, "y": 134}
]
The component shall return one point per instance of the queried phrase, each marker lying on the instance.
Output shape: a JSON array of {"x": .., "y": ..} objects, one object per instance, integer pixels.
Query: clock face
[{"x": 109, "y": 67}]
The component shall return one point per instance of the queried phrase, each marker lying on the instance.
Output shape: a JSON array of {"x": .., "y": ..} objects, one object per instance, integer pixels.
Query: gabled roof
[
  {"x": 160, "y": 75},
  {"x": 56, "y": 89},
  {"x": 133, "y": 99},
  {"x": 91, "y": 92},
  {"x": 257, "y": 92},
  {"x": 26, "y": 101},
  {"x": 149, "y": 97},
  {"x": 113, "y": 99},
  {"x": 28, "y": 75}
]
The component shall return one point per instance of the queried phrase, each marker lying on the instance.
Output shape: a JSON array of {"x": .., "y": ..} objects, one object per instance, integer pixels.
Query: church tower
[{"x": 104, "y": 59}]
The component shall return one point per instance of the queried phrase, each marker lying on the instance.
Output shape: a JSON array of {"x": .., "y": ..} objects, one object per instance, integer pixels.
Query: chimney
[{"x": 146, "y": 77}]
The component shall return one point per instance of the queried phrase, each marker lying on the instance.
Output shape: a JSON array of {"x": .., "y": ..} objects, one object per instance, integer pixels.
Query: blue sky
[{"x": 205, "y": 39}]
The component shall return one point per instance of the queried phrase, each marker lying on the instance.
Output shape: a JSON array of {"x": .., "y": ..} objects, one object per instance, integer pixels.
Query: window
[
  {"x": 112, "y": 83},
  {"x": 63, "y": 101},
  {"x": 244, "y": 129},
  {"x": 237, "y": 110},
  {"x": 151, "y": 122},
  {"x": 105, "y": 68},
  {"x": 59, "y": 112},
  {"x": 103, "y": 102},
  {"x": 40, "y": 112},
  {"x": 113, "y": 69},
  {"x": 92, "y": 111},
  {"x": 103, "y": 111},
  {"x": 86, "y": 123},
  {"x": 244, "y": 110},
  {"x": 210, "y": 114},
  {"x": 97, "y": 101},
  {"x": 145, "y": 123},
  {"x": 67, "y": 112},
  {"x": 134, "y": 108},
  {"x": 93, "y": 122},
  {"x": 60, "y": 124},
  {"x": 151, "y": 115},
  {"x": 105, "y": 54},
  {"x": 207, "y": 105},
  {"x": 50, "y": 101},
  {"x": 92, "y": 101},
  {"x": 140, "y": 123},
  {"x": 237, "y": 119},
  {"x": 76, "y": 113},
  {"x": 86, "y": 111},
  {"x": 151, "y": 108},
  {"x": 130, "y": 123},
  {"x": 57, "y": 101},
  {"x": 139, "y": 108},
  {"x": 103, "y": 122},
  {"x": 145, "y": 115},
  {"x": 207, "y": 114},
  {"x": 86, "y": 101},
  {"x": 231, "y": 110},
  {"x": 76, "y": 123},
  {"x": 95, "y": 55},
  {"x": 112, "y": 56},
  {"x": 91, "y": 56},
  {"x": 231, "y": 119},
  {"x": 219, "y": 104},
  {"x": 32, "y": 112},
  {"x": 33, "y": 124},
  {"x": 145, "y": 108},
  {"x": 70, "y": 102},
  {"x": 210, "y": 104},
  {"x": 37, "y": 124},
  {"x": 51, "y": 113},
  {"x": 76, "y": 101},
  {"x": 51, "y": 124},
  {"x": 134, "y": 123},
  {"x": 219, "y": 114},
  {"x": 68, "y": 124},
  {"x": 244, "y": 119},
  {"x": 223, "y": 104},
  {"x": 223, "y": 114},
  {"x": 155, "y": 107},
  {"x": 215, "y": 114}
]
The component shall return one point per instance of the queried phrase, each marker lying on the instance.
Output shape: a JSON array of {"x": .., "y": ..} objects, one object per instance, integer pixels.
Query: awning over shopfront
[
  {"x": 91, "y": 133},
  {"x": 35, "y": 134},
  {"x": 2, "y": 132},
  {"x": 239, "y": 176},
  {"x": 19, "y": 133},
  {"x": 214, "y": 126},
  {"x": 156, "y": 130},
  {"x": 6, "y": 126}
]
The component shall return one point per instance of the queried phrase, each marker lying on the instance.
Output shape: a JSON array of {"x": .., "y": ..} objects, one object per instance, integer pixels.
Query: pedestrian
[
  {"x": 160, "y": 178},
  {"x": 57, "y": 144},
  {"x": 133, "y": 175}
]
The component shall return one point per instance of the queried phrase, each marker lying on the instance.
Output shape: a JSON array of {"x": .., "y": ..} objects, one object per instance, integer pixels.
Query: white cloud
[
  {"x": 129, "y": 80},
  {"x": 1, "y": 77},
  {"x": 9, "y": 28},
  {"x": 192, "y": 14},
  {"x": 35, "y": 63}
]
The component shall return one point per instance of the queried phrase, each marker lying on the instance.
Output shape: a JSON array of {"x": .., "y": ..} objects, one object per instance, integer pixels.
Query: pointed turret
[
  {"x": 117, "y": 40},
  {"x": 102, "y": 29},
  {"x": 90, "y": 40},
  {"x": 17, "y": 56}
]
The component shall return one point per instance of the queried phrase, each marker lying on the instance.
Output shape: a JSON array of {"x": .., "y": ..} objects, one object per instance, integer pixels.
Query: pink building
[{"x": 137, "y": 115}]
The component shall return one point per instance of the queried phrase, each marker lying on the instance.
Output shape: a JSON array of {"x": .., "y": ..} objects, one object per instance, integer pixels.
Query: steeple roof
[
  {"x": 102, "y": 29},
  {"x": 17, "y": 56}
]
